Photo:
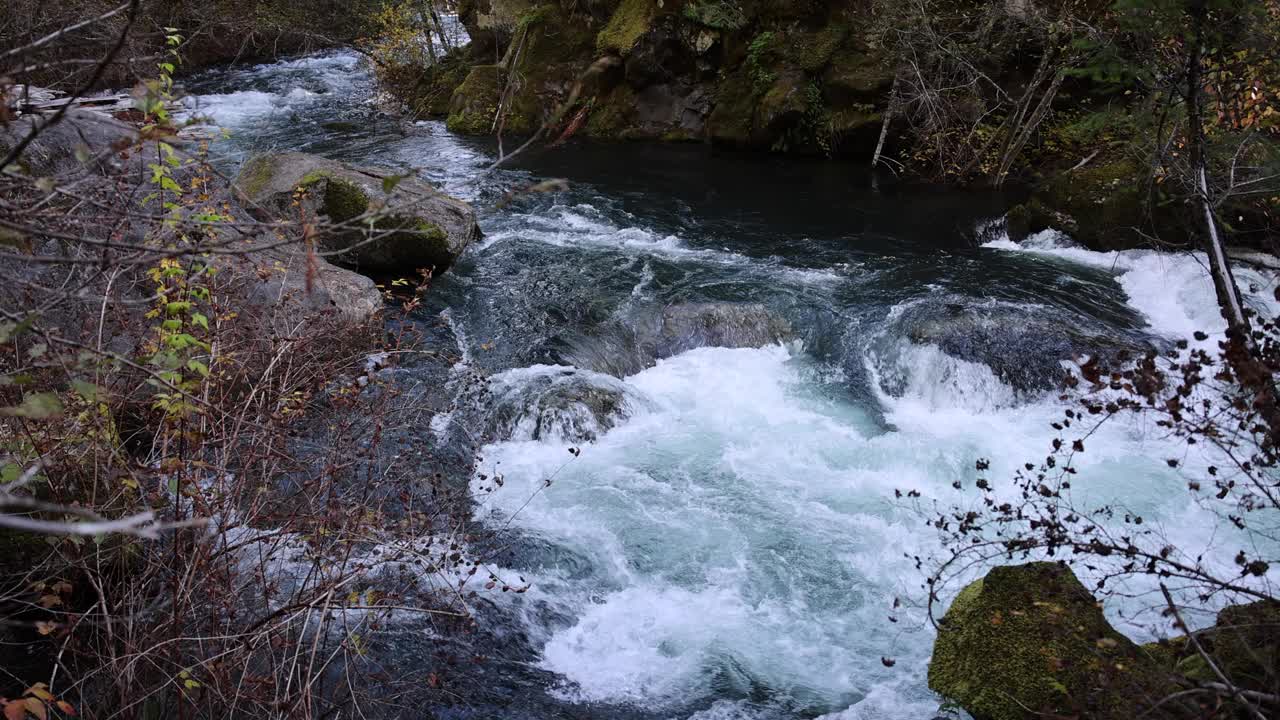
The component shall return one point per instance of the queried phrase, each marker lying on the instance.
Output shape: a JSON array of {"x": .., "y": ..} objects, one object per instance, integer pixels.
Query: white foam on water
[
  {"x": 292, "y": 85},
  {"x": 743, "y": 532},
  {"x": 586, "y": 227},
  {"x": 1173, "y": 291},
  {"x": 237, "y": 108}
]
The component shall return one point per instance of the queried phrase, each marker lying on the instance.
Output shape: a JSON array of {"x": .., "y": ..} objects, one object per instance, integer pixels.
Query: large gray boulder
[
  {"x": 284, "y": 282},
  {"x": 383, "y": 223},
  {"x": 688, "y": 326}
]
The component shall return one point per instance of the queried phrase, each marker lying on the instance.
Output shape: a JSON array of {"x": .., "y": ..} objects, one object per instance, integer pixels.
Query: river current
[{"x": 727, "y": 544}]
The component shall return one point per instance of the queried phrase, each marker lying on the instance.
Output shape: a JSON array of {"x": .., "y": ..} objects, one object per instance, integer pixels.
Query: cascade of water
[{"x": 727, "y": 545}]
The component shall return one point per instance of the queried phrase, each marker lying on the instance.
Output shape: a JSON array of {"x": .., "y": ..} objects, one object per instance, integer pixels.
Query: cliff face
[{"x": 798, "y": 76}]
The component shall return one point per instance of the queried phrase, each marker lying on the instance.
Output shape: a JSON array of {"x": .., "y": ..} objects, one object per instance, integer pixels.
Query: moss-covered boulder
[
  {"x": 1103, "y": 206},
  {"x": 550, "y": 51},
  {"x": 856, "y": 77},
  {"x": 1030, "y": 640},
  {"x": 383, "y": 223},
  {"x": 629, "y": 22},
  {"x": 1246, "y": 645},
  {"x": 473, "y": 107}
]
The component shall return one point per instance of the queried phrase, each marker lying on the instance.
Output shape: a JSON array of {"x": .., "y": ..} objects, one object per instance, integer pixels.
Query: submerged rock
[
  {"x": 1023, "y": 347},
  {"x": 1030, "y": 640},
  {"x": 556, "y": 404},
  {"x": 632, "y": 345},
  {"x": 387, "y": 223},
  {"x": 729, "y": 325}
]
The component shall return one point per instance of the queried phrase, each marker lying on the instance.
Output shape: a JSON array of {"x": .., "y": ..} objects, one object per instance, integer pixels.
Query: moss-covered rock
[
  {"x": 384, "y": 223},
  {"x": 631, "y": 20},
  {"x": 856, "y": 77},
  {"x": 473, "y": 108},
  {"x": 1102, "y": 206},
  {"x": 612, "y": 113},
  {"x": 430, "y": 90},
  {"x": 733, "y": 118},
  {"x": 1031, "y": 639},
  {"x": 551, "y": 49},
  {"x": 1245, "y": 643}
]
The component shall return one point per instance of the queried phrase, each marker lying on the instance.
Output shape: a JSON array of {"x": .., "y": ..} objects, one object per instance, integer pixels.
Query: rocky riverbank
[{"x": 815, "y": 79}]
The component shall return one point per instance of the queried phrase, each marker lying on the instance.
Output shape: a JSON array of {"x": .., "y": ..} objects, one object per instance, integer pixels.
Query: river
[{"x": 727, "y": 544}]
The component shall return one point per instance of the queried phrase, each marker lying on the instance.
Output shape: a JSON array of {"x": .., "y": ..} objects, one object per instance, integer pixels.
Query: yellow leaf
[{"x": 36, "y": 707}]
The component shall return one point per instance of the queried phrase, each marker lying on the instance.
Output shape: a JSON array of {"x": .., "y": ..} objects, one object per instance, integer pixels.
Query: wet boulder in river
[
  {"x": 385, "y": 223},
  {"x": 728, "y": 325},
  {"x": 555, "y": 403},
  {"x": 1023, "y": 346},
  {"x": 632, "y": 344}
]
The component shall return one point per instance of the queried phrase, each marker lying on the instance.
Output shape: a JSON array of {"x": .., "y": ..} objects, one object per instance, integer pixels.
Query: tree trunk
[
  {"x": 888, "y": 119},
  {"x": 1223, "y": 281}
]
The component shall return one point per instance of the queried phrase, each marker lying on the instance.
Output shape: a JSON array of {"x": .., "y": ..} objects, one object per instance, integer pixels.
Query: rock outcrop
[
  {"x": 1030, "y": 641},
  {"x": 383, "y": 222},
  {"x": 769, "y": 75}
]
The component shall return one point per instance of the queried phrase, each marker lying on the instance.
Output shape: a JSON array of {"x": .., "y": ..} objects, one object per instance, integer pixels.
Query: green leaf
[
  {"x": 200, "y": 320},
  {"x": 390, "y": 182},
  {"x": 10, "y": 473},
  {"x": 198, "y": 367},
  {"x": 36, "y": 406},
  {"x": 10, "y": 330},
  {"x": 86, "y": 390}
]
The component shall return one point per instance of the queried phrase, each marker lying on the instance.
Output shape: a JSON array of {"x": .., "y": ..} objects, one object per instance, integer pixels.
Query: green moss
[
  {"x": 410, "y": 236},
  {"x": 475, "y": 102},
  {"x": 343, "y": 199},
  {"x": 433, "y": 87},
  {"x": 679, "y": 135},
  {"x": 256, "y": 175},
  {"x": 536, "y": 16},
  {"x": 612, "y": 113},
  {"x": 812, "y": 51},
  {"x": 1246, "y": 644},
  {"x": 731, "y": 120},
  {"x": 630, "y": 21},
  {"x": 1099, "y": 204},
  {"x": 854, "y": 77},
  {"x": 1031, "y": 639},
  {"x": 760, "y": 62},
  {"x": 716, "y": 14}
]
